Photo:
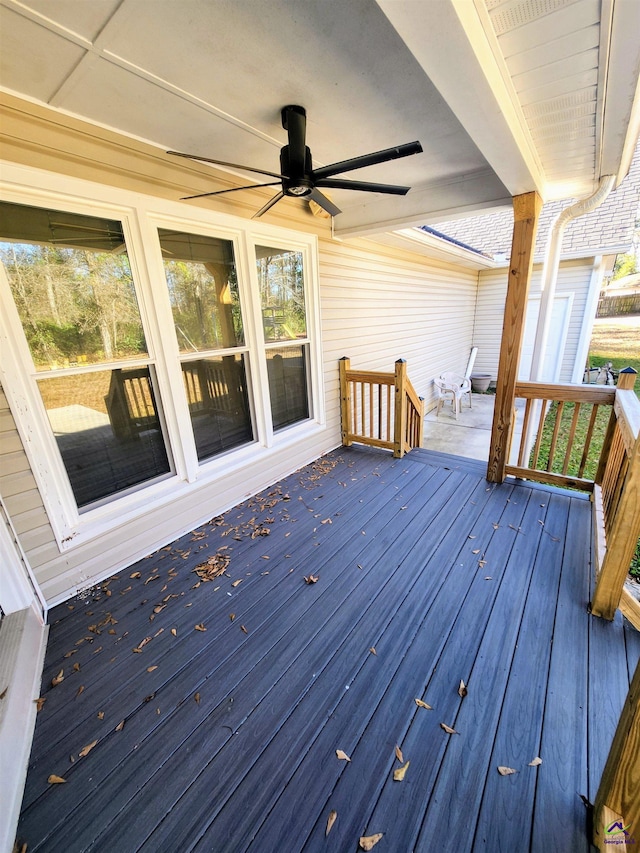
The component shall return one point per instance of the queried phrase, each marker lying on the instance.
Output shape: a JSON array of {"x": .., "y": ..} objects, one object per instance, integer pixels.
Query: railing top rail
[
  {"x": 603, "y": 395},
  {"x": 378, "y": 378},
  {"x": 627, "y": 409}
]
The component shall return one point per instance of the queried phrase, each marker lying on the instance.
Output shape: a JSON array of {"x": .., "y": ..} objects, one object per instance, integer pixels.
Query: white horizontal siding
[{"x": 573, "y": 278}]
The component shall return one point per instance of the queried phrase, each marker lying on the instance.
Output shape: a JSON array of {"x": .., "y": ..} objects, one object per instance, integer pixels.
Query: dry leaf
[
  {"x": 506, "y": 771},
  {"x": 342, "y": 755},
  {"x": 76, "y": 667},
  {"x": 236, "y": 583},
  {"x": 232, "y": 616},
  {"x": 55, "y": 780},
  {"x": 151, "y": 668},
  {"x": 120, "y": 726},
  {"x": 482, "y": 563},
  {"x": 40, "y": 702},
  {"x": 462, "y": 689},
  {"x": 398, "y": 775},
  {"x": 101, "y": 715},
  {"x": 536, "y": 761},
  {"x": 399, "y": 755},
  {"x": 243, "y": 629},
  {"x": 80, "y": 690},
  {"x": 476, "y": 551},
  {"x": 174, "y": 632},
  {"x": 58, "y": 678},
  {"x": 197, "y": 698},
  {"x": 495, "y": 526},
  {"x": 422, "y": 704},
  {"x": 448, "y": 729},
  {"x": 200, "y": 627},
  {"x": 367, "y": 842},
  {"x": 312, "y": 579},
  {"x": 135, "y": 575},
  {"x": 373, "y": 650},
  {"x": 87, "y": 749},
  {"x": 330, "y": 821}
]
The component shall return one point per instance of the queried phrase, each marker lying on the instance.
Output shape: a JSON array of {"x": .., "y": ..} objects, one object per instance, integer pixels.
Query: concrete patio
[{"x": 470, "y": 434}]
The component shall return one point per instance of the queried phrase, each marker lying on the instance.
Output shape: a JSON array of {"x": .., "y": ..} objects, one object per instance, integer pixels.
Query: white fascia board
[
  {"x": 455, "y": 45},
  {"x": 436, "y": 202},
  {"x": 421, "y": 243}
]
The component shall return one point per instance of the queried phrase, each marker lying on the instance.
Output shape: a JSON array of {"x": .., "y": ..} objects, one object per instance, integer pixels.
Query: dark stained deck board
[{"x": 252, "y": 765}]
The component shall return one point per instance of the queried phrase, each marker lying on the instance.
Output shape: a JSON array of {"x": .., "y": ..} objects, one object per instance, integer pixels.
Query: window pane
[
  {"x": 281, "y": 281},
  {"x": 107, "y": 429},
  {"x": 287, "y": 371},
  {"x": 203, "y": 289},
  {"x": 72, "y": 285},
  {"x": 216, "y": 391}
]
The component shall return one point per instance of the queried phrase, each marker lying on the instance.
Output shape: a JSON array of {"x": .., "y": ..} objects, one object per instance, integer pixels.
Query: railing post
[
  {"x": 400, "y": 420},
  {"x": 618, "y": 798},
  {"x": 526, "y": 209},
  {"x": 345, "y": 401}
]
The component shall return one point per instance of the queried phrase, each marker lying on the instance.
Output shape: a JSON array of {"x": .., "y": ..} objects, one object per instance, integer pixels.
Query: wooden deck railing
[
  {"x": 615, "y": 486},
  {"x": 380, "y": 409}
]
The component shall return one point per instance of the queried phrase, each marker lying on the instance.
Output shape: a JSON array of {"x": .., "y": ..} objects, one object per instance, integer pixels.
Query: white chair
[{"x": 452, "y": 386}]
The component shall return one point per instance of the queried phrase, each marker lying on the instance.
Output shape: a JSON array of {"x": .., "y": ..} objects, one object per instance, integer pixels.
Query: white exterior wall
[{"x": 574, "y": 279}]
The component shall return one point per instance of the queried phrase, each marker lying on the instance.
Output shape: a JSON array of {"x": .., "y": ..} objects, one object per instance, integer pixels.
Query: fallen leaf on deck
[
  {"x": 367, "y": 842},
  {"x": 476, "y": 551},
  {"x": 55, "y": 780},
  {"x": 174, "y": 632},
  {"x": 72, "y": 652},
  {"x": 237, "y": 583},
  {"x": 141, "y": 645},
  {"x": 40, "y": 702},
  {"x": 462, "y": 689},
  {"x": 76, "y": 667},
  {"x": 101, "y": 715},
  {"x": 399, "y": 755},
  {"x": 342, "y": 755},
  {"x": 398, "y": 775},
  {"x": 536, "y": 761},
  {"x": 326, "y": 521},
  {"x": 488, "y": 578},
  {"x": 151, "y": 668},
  {"x": 373, "y": 650},
  {"x": 197, "y": 698},
  {"x": 87, "y": 749},
  {"x": 448, "y": 729},
  {"x": 200, "y": 626},
  {"x": 422, "y": 704},
  {"x": 495, "y": 526},
  {"x": 506, "y": 771},
  {"x": 120, "y": 726},
  {"x": 330, "y": 821},
  {"x": 135, "y": 575},
  {"x": 482, "y": 563},
  {"x": 311, "y": 578},
  {"x": 58, "y": 678},
  {"x": 243, "y": 629},
  {"x": 232, "y": 616}
]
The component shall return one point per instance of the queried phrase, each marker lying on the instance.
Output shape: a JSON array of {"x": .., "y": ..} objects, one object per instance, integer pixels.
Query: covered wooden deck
[{"x": 205, "y": 715}]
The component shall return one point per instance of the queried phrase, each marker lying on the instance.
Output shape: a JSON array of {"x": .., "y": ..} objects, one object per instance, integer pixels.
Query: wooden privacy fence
[{"x": 380, "y": 409}]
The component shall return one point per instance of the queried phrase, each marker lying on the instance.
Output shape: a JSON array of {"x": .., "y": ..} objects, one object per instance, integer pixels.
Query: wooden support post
[
  {"x": 400, "y": 421},
  {"x": 345, "y": 401},
  {"x": 621, "y": 542},
  {"x": 618, "y": 798},
  {"x": 526, "y": 210}
]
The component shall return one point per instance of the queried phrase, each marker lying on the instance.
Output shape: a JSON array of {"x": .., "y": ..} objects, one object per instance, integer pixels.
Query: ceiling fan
[{"x": 298, "y": 177}]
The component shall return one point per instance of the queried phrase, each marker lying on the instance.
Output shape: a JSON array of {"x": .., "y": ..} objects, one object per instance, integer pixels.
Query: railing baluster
[
  {"x": 587, "y": 441},
  {"x": 536, "y": 450},
  {"x": 554, "y": 436},
  {"x": 572, "y": 435},
  {"x": 525, "y": 428}
]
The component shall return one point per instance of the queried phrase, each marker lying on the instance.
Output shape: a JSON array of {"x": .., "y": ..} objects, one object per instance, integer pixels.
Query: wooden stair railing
[{"x": 380, "y": 409}]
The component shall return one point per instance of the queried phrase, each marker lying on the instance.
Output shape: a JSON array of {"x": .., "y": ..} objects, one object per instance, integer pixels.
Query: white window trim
[{"x": 141, "y": 216}]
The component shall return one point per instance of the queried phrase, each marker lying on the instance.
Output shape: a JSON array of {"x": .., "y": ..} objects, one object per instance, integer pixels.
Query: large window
[
  {"x": 203, "y": 291},
  {"x": 150, "y": 344},
  {"x": 284, "y": 323},
  {"x": 72, "y": 286}
]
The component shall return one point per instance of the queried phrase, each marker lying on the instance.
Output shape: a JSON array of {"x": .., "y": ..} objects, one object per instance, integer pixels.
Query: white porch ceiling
[{"x": 506, "y": 96}]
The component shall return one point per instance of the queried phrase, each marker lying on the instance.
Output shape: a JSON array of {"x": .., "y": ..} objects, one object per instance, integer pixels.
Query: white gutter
[{"x": 552, "y": 263}]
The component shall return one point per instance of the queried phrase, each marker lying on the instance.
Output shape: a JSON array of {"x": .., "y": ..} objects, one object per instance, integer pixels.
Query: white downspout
[{"x": 551, "y": 265}]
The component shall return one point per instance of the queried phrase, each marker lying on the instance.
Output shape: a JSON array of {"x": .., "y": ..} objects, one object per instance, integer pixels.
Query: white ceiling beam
[{"x": 455, "y": 45}]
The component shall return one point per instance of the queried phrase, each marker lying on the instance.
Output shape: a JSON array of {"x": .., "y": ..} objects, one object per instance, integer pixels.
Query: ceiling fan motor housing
[{"x": 295, "y": 158}]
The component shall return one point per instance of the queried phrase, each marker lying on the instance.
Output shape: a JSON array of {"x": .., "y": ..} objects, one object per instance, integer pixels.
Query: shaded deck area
[{"x": 205, "y": 714}]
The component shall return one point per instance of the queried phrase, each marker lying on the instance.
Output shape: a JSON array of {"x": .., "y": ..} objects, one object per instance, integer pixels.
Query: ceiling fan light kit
[{"x": 297, "y": 177}]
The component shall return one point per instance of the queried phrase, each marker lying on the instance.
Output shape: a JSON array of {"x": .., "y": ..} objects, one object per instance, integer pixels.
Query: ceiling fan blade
[
  {"x": 232, "y": 190},
  {"x": 294, "y": 121},
  {"x": 223, "y": 163},
  {"x": 364, "y": 186},
  {"x": 268, "y": 205},
  {"x": 323, "y": 201},
  {"x": 405, "y": 150}
]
